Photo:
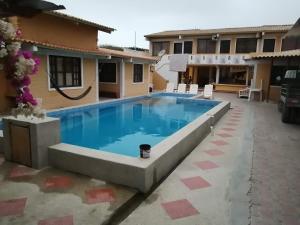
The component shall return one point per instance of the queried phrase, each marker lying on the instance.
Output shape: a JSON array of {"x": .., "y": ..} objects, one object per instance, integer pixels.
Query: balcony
[{"x": 218, "y": 59}]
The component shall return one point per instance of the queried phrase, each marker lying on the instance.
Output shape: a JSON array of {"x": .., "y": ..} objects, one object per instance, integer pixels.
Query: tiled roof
[
  {"x": 126, "y": 54},
  {"x": 96, "y": 51},
  {"x": 290, "y": 53},
  {"x": 79, "y": 20},
  {"x": 194, "y": 32}
]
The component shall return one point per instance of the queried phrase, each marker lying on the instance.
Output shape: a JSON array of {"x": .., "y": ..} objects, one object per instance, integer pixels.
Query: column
[
  {"x": 247, "y": 76},
  {"x": 217, "y": 74},
  {"x": 122, "y": 79}
]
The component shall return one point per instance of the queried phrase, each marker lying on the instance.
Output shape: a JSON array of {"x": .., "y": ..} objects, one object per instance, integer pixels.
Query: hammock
[{"x": 53, "y": 83}]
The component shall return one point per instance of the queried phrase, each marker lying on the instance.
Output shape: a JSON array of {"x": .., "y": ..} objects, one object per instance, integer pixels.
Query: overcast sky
[{"x": 149, "y": 16}]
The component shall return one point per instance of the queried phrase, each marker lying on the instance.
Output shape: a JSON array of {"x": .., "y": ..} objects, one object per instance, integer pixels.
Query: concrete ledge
[{"x": 138, "y": 173}]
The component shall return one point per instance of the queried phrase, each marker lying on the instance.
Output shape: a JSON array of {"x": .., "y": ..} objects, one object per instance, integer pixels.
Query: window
[
  {"x": 246, "y": 45},
  {"x": 138, "y": 73},
  {"x": 65, "y": 71},
  {"x": 269, "y": 45},
  {"x": 188, "y": 47},
  {"x": 290, "y": 43},
  {"x": 225, "y": 46},
  {"x": 158, "y": 46},
  {"x": 206, "y": 46},
  {"x": 177, "y": 48},
  {"x": 233, "y": 75},
  {"x": 108, "y": 72}
]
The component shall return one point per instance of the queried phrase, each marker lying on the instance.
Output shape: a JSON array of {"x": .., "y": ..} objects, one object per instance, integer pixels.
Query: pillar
[{"x": 217, "y": 74}]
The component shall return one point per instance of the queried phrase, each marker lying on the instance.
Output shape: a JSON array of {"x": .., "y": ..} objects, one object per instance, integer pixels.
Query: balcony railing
[{"x": 218, "y": 59}]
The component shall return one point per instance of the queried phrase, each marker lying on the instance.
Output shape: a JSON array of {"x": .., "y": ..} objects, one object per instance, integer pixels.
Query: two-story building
[
  {"x": 219, "y": 56},
  {"x": 68, "y": 49}
]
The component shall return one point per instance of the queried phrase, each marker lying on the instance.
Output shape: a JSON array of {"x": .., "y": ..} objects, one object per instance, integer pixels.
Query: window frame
[
  {"x": 263, "y": 45},
  {"x": 160, "y": 43},
  {"x": 140, "y": 82},
  {"x": 182, "y": 42},
  {"x": 206, "y": 39},
  {"x": 178, "y": 42},
  {"x": 65, "y": 88},
  {"x": 236, "y": 44},
  {"x": 229, "y": 46},
  {"x": 101, "y": 82}
]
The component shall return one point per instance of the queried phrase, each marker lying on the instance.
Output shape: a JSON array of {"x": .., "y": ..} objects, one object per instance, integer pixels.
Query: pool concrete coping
[{"x": 135, "y": 172}]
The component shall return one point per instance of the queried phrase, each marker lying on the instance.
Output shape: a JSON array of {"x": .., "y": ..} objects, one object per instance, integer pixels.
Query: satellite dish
[{"x": 162, "y": 53}]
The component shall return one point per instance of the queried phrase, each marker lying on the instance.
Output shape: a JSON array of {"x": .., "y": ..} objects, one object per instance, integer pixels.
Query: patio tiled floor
[
  {"x": 214, "y": 185},
  {"x": 231, "y": 150},
  {"x": 179, "y": 209},
  {"x": 55, "y": 197}
]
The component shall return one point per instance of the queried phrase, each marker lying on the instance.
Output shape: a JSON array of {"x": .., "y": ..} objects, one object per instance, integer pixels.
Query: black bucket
[{"x": 145, "y": 151}]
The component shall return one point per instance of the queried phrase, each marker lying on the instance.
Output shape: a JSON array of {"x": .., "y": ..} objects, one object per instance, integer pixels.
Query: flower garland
[{"x": 19, "y": 65}]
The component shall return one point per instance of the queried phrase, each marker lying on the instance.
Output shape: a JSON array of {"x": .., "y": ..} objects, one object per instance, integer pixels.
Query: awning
[{"x": 283, "y": 54}]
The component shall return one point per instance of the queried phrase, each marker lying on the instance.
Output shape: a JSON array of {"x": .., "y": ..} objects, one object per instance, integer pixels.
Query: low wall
[
  {"x": 138, "y": 173},
  {"x": 231, "y": 88},
  {"x": 41, "y": 134}
]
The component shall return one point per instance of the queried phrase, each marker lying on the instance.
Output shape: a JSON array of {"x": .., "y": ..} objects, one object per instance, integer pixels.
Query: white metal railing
[
  {"x": 218, "y": 59},
  {"x": 212, "y": 59}
]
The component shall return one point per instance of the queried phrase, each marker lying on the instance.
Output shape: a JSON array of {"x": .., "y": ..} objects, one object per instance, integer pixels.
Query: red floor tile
[
  {"x": 179, "y": 209},
  {"x": 13, "y": 207},
  {"x": 214, "y": 152},
  {"x": 228, "y": 129},
  {"x": 58, "y": 182},
  {"x": 206, "y": 165},
  {"x": 66, "y": 220},
  {"x": 224, "y": 135},
  {"x": 99, "y": 195},
  {"x": 219, "y": 142},
  {"x": 195, "y": 183},
  {"x": 21, "y": 171}
]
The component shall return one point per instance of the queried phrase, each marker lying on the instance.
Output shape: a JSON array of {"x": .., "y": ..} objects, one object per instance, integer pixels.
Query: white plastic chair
[
  {"x": 181, "y": 88},
  {"x": 208, "y": 91},
  {"x": 170, "y": 87},
  {"x": 193, "y": 89},
  {"x": 244, "y": 92}
]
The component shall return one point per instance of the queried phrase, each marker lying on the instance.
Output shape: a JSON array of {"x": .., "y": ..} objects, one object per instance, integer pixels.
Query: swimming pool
[{"x": 120, "y": 127}]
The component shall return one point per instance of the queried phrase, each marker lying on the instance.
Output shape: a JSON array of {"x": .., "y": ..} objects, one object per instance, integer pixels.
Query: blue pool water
[{"x": 122, "y": 126}]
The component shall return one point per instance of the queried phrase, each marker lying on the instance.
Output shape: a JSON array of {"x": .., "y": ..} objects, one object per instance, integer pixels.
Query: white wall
[{"x": 163, "y": 68}]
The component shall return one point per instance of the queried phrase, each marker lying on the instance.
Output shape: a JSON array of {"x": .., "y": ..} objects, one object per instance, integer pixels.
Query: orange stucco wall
[
  {"x": 159, "y": 83},
  {"x": 135, "y": 89},
  {"x": 52, "y": 99},
  {"x": 51, "y": 29}
]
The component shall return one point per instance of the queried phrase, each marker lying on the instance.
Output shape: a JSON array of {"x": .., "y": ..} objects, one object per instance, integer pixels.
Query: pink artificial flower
[
  {"x": 27, "y": 54},
  {"x": 26, "y": 81},
  {"x": 26, "y": 90}
]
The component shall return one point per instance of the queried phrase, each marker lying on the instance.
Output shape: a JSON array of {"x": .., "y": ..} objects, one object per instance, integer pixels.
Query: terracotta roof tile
[{"x": 96, "y": 51}]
